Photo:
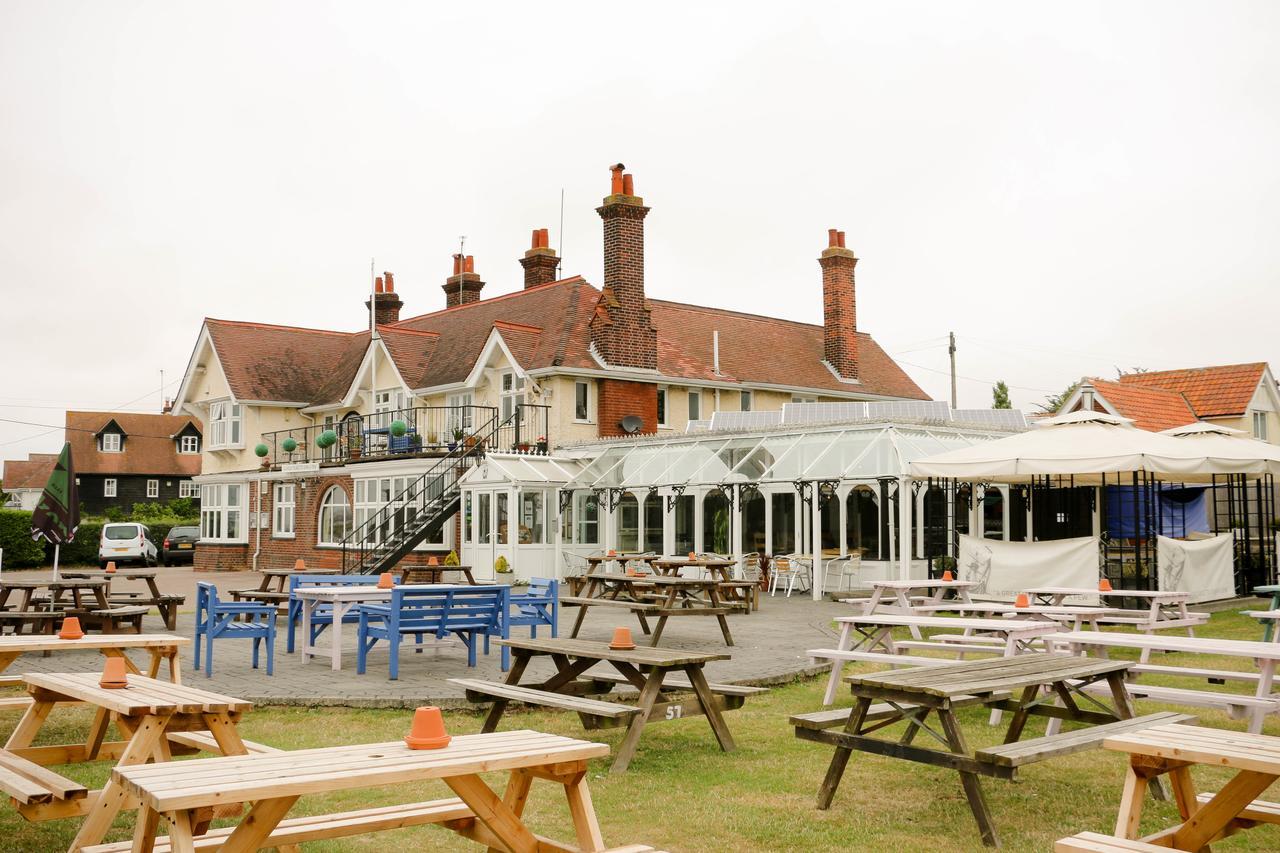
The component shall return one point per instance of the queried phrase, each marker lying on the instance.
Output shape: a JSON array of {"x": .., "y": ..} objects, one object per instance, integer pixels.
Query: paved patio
[{"x": 769, "y": 649}]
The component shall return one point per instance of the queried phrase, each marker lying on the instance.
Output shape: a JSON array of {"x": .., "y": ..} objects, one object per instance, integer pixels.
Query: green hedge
[{"x": 20, "y": 550}]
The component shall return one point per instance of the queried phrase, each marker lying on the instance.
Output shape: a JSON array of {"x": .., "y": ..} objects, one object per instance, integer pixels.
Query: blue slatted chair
[
  {"x": 539, "y": 606},
  {"x": 216, "y": 619},
  {"x": 323, "y": 616},
  {"x": 471, "y": 613}
]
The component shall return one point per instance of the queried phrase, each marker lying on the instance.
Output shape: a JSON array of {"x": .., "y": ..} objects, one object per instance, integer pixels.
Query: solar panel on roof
[
  {"x": 991, "y": 417},
  {"x": 745, "y": 420}
]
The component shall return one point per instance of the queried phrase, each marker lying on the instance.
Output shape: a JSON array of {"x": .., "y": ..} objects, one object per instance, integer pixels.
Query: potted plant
[
  {"x": 452, "y": 559},
  {"x": 457, "y": 438},
  {"x": 501, "y": 566},
  {"x": 542, "y": 444},
  {"x": 945, "y": 563},
  {"x": 415, "y": 442},
  {"x": 355, "y": 444},
  {"x": 522, "y": 447}
]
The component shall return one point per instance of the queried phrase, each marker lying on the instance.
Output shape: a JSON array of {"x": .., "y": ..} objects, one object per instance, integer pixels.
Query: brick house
[
  {"x": 580, "y": 362},
  {"x": 122, "y": 459},
  {"x": 22, "y": 480}
]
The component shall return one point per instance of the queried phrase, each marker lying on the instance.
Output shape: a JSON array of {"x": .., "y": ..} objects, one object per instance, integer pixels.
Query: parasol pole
[{"x": 56, "y": 546}]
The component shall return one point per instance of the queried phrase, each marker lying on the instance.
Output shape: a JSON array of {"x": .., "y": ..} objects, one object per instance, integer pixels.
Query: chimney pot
[
  {"x": 616, "y": 186},
  {"x": 537, "y": 238},
  {"x": 457, "y": 264},
  {"x": 469, "y": 265},
  {"x": 390, "y": 282},
  {"x": 840, "y": 238},
  {"x": 833, "y": 238},
  {"x": 545, "y": 237},
  {"x": 628, "y": 188},
  {"x": 377, "y": 284}
]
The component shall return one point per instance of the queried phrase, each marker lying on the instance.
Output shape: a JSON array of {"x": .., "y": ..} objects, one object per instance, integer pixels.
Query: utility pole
[{"x": 952, "y": 351}]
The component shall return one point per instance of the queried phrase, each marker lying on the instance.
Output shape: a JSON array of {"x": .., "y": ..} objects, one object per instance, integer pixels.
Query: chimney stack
[
  {"x": 540, "y": 262},
  {"x": 839, "y": 307},
  {"x": 386, "y": 304},
  {"x": 621, "y": 330},
  {"x": 463, "y": 287}
]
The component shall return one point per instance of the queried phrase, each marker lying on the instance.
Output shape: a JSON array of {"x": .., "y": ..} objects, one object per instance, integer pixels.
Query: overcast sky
[{"x": 1070, "y": 187}]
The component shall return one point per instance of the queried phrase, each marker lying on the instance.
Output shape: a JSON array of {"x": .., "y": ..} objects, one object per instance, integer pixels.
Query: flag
[{"x": 57, "y": 515}]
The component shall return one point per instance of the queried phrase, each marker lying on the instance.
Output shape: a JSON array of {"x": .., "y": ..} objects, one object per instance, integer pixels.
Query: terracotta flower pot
[
  {"x": 622, "y": 639},
  {"x": 693, "y": 555},
  {"x": 433, "y": 560},
  {"x": 947, "y": 576},
  {"x": 299, "y": 565},
  {"x": 1022, "y": 600},
  {"x": 114, "y": 675},
  {"x": 111, "y": 568},
  {"x": 1104, "y": 585},
  {"x": 71, "y": 629},
  {"x": 428, "y": 730},
  {"x": 386, "y": 581}
]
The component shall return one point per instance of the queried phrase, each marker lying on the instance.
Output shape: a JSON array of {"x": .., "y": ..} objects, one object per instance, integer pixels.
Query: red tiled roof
[
  {"x": 1150, "y": 408},
  {"x": 285, "y": 363},
  {"x": 148, "y": 445},
  {"x": 30, "y": 473},
  {"x": 1212, "y": 391}
]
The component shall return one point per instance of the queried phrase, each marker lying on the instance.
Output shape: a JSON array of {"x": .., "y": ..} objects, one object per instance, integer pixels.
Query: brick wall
[
  {"x": 621, "y": 329},
  {"x": 617, "y": 399},
  {"x": 839, "y": 307}
]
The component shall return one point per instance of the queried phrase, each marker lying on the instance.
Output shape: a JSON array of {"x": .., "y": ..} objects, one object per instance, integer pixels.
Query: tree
[
  {"x": 1054, "y": 402},
  {"x": 1000, "y": 396}
]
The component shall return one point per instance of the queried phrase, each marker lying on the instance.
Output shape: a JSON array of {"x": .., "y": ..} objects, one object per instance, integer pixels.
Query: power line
[
  {"x": 53, "y": 429},
  {"x": 976, "y": 379}
]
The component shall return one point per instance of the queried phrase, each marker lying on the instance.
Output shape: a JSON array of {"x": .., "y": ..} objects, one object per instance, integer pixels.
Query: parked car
[
  {"x": 179, "y": 545},
  {"x": 126, "y": 542}
]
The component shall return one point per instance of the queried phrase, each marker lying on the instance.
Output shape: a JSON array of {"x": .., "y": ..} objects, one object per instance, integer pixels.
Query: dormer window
[
  {"x": 189, "y": 444},
  {"x": 109, "y": 442}
]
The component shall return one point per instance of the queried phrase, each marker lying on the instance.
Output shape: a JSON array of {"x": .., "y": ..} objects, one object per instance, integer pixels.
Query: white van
[{"x": 126, "y": 542}]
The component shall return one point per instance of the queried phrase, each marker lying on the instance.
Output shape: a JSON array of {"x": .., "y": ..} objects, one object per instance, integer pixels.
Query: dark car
[{"x": 180, "y": 545}]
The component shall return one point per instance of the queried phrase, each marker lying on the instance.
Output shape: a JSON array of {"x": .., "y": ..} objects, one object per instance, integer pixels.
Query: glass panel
[
  {"x": 628, "y": 524},
  {"x": 466, "y": 517},
  {"x": 993, "y": 514},
  {"x": 531, "y": 513},
  {"x": 784, "y": 523},
  {"x": 500, "y": 511},
  {"x": 484, "y": 536},
  {"x": 862, "y": 525},
  {"x": 715, "y": 523},
  {"x": 684, "y": 511},
  {"x": 831, "y": 526},
  {"x": 586, "y": 509},
  {"x": 752, "y": 538},
  {"x": 653, "y": 513}
]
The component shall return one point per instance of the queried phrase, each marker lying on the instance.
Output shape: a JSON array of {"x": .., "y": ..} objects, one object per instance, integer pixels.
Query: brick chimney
[
  {"x": 621, "y": 330},
  {"x": 463, "y": 287},
  {"x": 386, "y": 302},
  {"x": 540, "y": 262},
  {"x": 839, "y": 306}
]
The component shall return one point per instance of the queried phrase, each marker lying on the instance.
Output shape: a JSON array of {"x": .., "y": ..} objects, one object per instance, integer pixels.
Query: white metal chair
[
  {"x": 845, "y": 569},
  {"x": 793, "y": 570}
]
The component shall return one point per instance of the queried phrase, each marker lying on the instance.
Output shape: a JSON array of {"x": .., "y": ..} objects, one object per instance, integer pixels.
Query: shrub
[
  {"x": 20, "y": 549},
  {"x": 84, "y": 548}
]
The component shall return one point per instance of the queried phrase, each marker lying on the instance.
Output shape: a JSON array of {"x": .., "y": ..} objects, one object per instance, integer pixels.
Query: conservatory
[{"x": 820, "y": 479}]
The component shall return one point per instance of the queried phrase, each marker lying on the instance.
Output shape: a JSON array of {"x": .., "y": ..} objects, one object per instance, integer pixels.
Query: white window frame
[
  {"x": 664, "y": 403},
  {"x": 800, "y": 398},
  {"x": 188, "y": 489},
  {"x": 109, "y": 487},
  {"x": 586, "y": 401},
  {"x": 745, "y": 401},
  {"x": 110, "y": 442},
  {"x": 153, "y": 488},
  {"x": 1260, "y": 426},
  {"x": 511, "y": 393},
  {"x": 462, "y": 419},
  {"x": 283, "y": 511},
  {"x": 695, "y": 404},
  {"x": 189, "y": 444},
  {"x": 374, "y": 493},
  {"x": 226, "y": 425},
  {"x": 323, "y": 535},
  {"x": 222, "y": 512}
]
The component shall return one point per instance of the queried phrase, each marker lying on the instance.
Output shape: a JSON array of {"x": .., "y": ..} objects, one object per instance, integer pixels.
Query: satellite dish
[{"x": 631, "y": 424}]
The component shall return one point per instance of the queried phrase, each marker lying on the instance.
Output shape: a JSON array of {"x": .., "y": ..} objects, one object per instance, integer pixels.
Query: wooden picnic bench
[
  {"x": 1024, "y": 685},
  {"x": 1269, "y": 626},
  {"x": 433, "y": 574},
  {"x": 166, "y": 604},
  {"x": 273, "y": 783},
  {"x": 1255, "y": 707},
  {"x": 43, "y": 613},
  {"x": 654, "y": 672},
  {"x": 1174, "y": 750},
  {"x": 473, "y": 614},
  {"x": 271, "y": 588},
  {"x": 663, "y": 597}
]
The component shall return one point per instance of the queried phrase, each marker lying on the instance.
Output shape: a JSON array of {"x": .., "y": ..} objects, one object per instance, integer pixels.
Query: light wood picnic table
[
  {"x": 1264, "y": 654},
  {"x": 1166, "y": 608},
  {"x": 913, "y": 694},
  {"x": 594, "y": 561},
  {"x": 875, "y": 632},
  {"x": 146, "y": 712},
  {"x": 434, "y": 574},
  {"x": 1174, "y": 750},
  {"x": 273, "y": 783},
  {"x": 645, "y": 669},
  {"x": 166, "y": 604},
  {"x": 273, "y": 586},
  {"x": 161, "y": 647},
  {"x": 902, "y": 596},
  {"x": 660, "y": 596}
]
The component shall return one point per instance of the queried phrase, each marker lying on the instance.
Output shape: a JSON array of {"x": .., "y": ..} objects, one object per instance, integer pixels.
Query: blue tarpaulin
[{"x": 1183, "y": 510}]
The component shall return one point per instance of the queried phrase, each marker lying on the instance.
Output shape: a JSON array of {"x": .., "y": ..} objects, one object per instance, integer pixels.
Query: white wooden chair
[{"x": 845, "y": 570}]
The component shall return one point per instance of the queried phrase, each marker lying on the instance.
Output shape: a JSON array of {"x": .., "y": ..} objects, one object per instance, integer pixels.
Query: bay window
[
  {"x": 221, "y": 512},
  {"x": 226, "y": 420}
]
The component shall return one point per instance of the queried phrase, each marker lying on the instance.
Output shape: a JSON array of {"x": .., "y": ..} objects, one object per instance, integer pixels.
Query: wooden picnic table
[
  {"x": 158, "y": 718},
  {"x": 86, "y": 597},
  {"x": 273, "y": 587},
  {"x": 161, "y": 647},
  {"x": 1166, "y": 608},
  {"x": 1174, "y": 750},
  {"x": 653, "y": 595},
  {"x": 434, "y": 574},
  {"x": 1257, "y": 706},
  {"x": 596, "y": 560},
  {"x": 742, "y": 593},
  {"x": 876, "y": 638},
  {"x": 1273, "y": 590},
  {"x": 273, "y": 783},
  {"x": 913, "y": 694},
  {"x": 649, "y": 670},
  {"x": 166, "y": 604},
  {"x": 1268, "y": 618}
]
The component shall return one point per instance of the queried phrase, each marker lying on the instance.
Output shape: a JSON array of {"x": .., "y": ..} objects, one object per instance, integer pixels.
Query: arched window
[
  {"x": 862, "y": 523},
  {"x": 627, "y": 519},
  {"x": 715, "y": 523},
  {"x": 993, "y": 513},
  {"x": 335, "y": 517},
  {"x": 653, "y": 523}
]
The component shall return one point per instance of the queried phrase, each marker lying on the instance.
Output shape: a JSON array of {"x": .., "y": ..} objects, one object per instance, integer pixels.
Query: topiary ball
[
  {"x": 262, "y": 450},
  {"x": 289, "y": 445},
  {"x": 398, "y": 428},
  {"x": 328, "y": 438}
]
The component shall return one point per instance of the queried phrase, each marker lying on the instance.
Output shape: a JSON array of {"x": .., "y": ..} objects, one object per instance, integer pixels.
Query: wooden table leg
[
  {"x": 144, "y": 830},
  {"x": 153, "y": 668},
  {"x": 723, "y": 619},
  {"x": 29, "y": 725},
  {"x": 1265, "y": 678},
  {"x": 835, "y": 770},
  {"x": 710, "y": 707},
  {"x": 97, "y": 732},
  {"x": 181, "y": 838},
  {"x": 648, "y": 696},
  {"x": 972, "y": 784},
  {"x": 175, "y": 665},
  {"x": 837, "y": 665},
  {"x": 1214, "y": 816},
  {"x": 141, "y": 746},
  {"x": 260, "y": 822},
  {"x": 584, "y": 815},
  {"x": 491, "y": 811},
  {"x": 1131, "y": 800},
  {"x": 1184, "y": 791},
  {"x": 1019, "y": 719}
]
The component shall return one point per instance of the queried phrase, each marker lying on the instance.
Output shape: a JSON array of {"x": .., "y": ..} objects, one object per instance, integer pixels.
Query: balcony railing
[{"x": 429, "y": 431}]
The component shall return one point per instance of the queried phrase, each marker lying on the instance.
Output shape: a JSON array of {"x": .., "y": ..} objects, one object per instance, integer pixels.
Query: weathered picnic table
[
  {"x": 909, "y": 596},
  {"x": 1021, "y": 684},
  {"x": 1273, "y": 590},
  {"x": 1165, "y": 608},
  {"x": 652, "y": 671},
  {"x": 744, "y": 594},
  {"x": 272, "y": 588},
  {"x": 88, "y": 597},
  {"x": 654, "y": 596},
  {"x": 876, "y": 643},
  {"x": 595, "y": 561},
  {"x": 166, "y": 603},
  {"x": 273, "y": 783},
  {"x": 433, "y": 574},
  {"x": 1268, "y": 618},
  {"x": 158, "y": 719},
  {"x": 1174, "y": 750},
  {"x": 1255, "y": 706}
]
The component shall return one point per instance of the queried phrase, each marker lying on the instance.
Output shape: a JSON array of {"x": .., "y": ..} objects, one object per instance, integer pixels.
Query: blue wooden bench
[
  {"x": 539, "y": 606},
  {"x": 216, "y": 619},
  {"x": 323, "y": 616},
  {"x": 471, "y": 613}
]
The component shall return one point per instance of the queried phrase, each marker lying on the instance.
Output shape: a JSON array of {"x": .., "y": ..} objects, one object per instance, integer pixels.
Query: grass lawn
[{"x": 681, "y": 793}]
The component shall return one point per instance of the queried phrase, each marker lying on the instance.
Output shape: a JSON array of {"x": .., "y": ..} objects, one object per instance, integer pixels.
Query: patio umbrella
[
  {"x": 1229, "y": 447},
  {"x": 57, "y": 515}
]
